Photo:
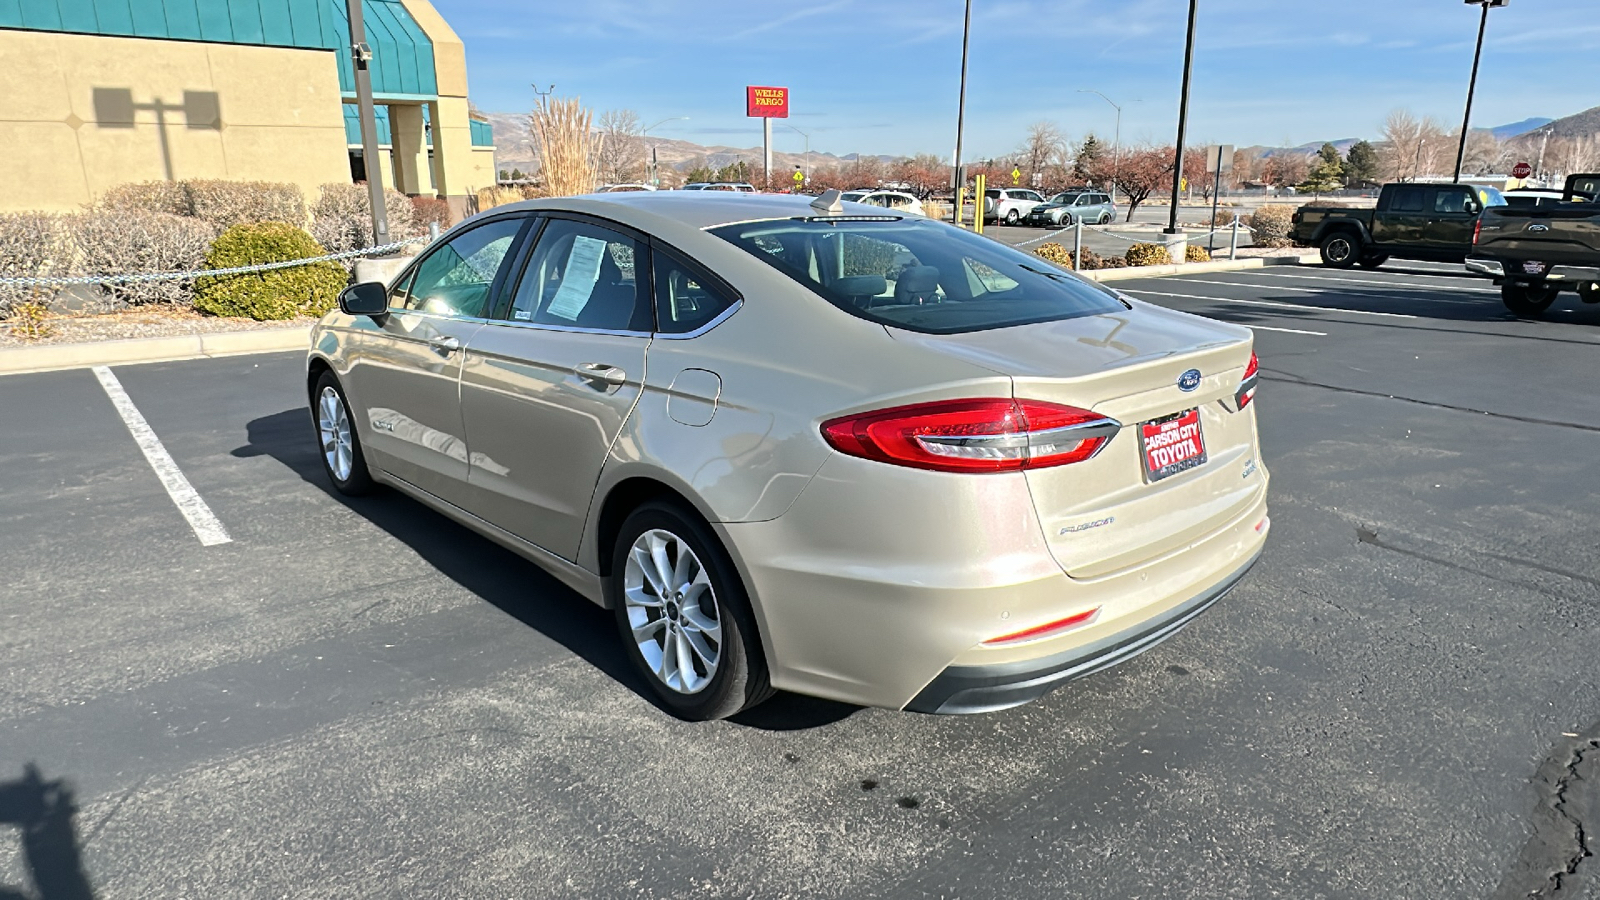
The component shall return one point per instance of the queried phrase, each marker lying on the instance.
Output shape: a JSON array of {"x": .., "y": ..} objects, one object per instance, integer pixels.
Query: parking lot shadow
[
  {"x": 42, "y": 811},
  {"x": 514, "y": 585}
]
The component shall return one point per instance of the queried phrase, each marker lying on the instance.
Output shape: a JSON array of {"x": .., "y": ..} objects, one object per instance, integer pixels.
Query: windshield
[
  {"x": 919, "y": 275},
  {"x": 1488, "y": 196}
]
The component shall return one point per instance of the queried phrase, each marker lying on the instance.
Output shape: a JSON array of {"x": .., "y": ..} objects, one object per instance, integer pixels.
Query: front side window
[
  {"x": 454, "y": 279},
  {"x": 1453, "y": 201},
  {"x": 919, "y": 275},
  {"x": 581, "y": 275}
]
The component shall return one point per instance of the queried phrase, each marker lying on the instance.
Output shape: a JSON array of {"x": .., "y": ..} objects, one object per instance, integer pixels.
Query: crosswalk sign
[
  {"x": 1016, "y": 175},
  {"x": 799, "y": 176}
]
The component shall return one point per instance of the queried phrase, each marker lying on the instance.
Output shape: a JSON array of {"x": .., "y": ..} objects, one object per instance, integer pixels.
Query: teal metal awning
[
  {"x": 482, "y": 132},
  {"x": 402, "y": 53}
]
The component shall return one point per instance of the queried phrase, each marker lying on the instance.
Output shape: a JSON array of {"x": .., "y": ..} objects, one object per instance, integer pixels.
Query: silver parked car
[
  {"x": 1070, "y": 207},
  {"x": 805, "y": 444}
]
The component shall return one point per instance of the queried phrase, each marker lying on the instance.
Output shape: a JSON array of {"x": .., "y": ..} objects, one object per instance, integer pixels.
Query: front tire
[
  {"x": 1527, "y": 300},
  {"x": 338, "y": 440},
  {"x": 1340, "y": 250},
  {"x": 684, "y": 615}
]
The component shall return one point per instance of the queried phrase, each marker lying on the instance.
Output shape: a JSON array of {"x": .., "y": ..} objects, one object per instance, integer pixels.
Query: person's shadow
[
  {"x": 43, "y": 811},
  {"x": 501, "y": 577}
]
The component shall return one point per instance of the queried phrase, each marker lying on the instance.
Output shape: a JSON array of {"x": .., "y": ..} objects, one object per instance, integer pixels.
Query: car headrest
[
  {"x": 917, "y": 280},
  {"x": 861, "y": 285}
]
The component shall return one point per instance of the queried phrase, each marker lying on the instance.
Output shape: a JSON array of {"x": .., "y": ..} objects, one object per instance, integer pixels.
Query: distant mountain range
[{"x": 514, "y": 146}]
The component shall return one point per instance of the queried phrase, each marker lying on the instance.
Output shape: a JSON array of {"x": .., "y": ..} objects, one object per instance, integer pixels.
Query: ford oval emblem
[
  {"x": 1538, "y": 227},
  {"x": 1189, "y": 380}
]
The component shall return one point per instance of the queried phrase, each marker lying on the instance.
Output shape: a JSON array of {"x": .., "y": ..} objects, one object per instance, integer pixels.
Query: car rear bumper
[{"x": 977, "y": 689}]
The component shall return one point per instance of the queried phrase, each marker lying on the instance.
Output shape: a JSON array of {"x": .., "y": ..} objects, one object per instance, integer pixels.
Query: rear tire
[
  {"x": 1527, "y": 300},
  {"x": 1105, "y": 219},
  {"x": 678, "y": 600},
  {"x": 1340, "y": 250},
  {"x": 338, "y": 442},
  {"x": 1372, "y": 262},
  {"x": 1012, "y": 217}
]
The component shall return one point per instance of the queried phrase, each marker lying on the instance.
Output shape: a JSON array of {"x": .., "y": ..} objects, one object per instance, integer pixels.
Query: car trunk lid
[{"x": 1113, "y": 512}]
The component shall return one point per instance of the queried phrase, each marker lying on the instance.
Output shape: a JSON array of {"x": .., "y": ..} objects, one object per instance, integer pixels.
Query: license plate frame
[{"x": 1181, "y": 445}]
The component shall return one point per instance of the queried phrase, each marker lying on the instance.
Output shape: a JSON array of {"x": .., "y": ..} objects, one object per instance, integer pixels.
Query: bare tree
[
  {"x": 1138, "y": 174},
  {"x": 1482, "y": 151},
  {"x": 1044, "y": 147},
  {"x": 1569, "y": 156},
  {"x": 622, "y": 156},
  {"x": 1414, "y": 147},
  {"x": 1286, "y": 169}
]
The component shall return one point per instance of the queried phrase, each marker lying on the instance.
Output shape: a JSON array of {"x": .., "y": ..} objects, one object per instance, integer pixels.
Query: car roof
[{"x": 691, "y": 209}]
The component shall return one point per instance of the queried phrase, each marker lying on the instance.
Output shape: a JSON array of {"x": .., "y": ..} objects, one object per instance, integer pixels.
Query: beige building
[{"x": 101, "y": 94}]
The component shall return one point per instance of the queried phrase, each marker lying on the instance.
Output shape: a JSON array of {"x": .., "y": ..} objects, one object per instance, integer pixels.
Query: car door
[
  {"x": 1448, "y": 232},
  {"x": 548, "y": 383},
  {"x": 403, "y": 370},
  {"x": 1401, "y": 221}
]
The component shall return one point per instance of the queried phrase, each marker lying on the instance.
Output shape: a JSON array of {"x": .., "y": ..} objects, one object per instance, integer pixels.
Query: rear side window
[
  {"x": 685, "y": 299},
  {"x": 919, "y": 275},
  {"x": 1407, "y": 200}
]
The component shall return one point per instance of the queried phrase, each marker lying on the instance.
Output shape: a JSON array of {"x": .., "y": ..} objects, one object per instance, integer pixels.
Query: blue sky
[{"x": 881, "y": 76}]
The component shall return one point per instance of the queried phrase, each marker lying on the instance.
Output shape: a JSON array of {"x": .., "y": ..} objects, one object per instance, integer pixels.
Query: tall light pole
[
  {"x": 655, "y": 175},
  {"x": 1472, "y": 85},
  {"x": 1539, "y": 173},
  {"x": 1183, "y": 119},
  {"x": 805, "y": 168},
  {"x": 961, "y": 110},
  {"x": 1116, "y": 142},
  {"x": 360, "y": 60}
]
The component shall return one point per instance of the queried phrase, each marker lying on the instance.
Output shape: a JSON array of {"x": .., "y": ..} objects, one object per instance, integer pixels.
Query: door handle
[
  {"x": 445, "y": 345},
  {"x": 598, "y": 374}
]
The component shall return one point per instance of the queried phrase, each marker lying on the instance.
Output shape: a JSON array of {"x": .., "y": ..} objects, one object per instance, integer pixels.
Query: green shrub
[
  {"x": 278, "y": 294},
  {"x": 1148, "y": 255},
  {"x": 1196, "y": 253},
  {"x": 1270, "y": 226}
]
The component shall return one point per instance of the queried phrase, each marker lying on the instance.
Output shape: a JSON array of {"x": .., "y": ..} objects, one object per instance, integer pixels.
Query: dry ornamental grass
[{"x": 568, "y": 147}]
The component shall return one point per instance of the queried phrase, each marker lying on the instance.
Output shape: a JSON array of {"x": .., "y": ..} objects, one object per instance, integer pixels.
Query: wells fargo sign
[{"x": 766, "y": 102}]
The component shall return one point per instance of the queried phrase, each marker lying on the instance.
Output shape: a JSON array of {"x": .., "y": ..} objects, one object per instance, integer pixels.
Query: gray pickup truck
[{"x": 1536, "y": 252}]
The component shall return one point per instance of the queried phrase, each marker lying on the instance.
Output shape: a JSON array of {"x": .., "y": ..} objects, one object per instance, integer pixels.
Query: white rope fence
[{"x": 143, "y": 278}]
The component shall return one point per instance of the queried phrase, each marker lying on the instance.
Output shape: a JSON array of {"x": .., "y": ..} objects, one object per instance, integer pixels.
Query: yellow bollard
[{"x": 977, "y": 205}]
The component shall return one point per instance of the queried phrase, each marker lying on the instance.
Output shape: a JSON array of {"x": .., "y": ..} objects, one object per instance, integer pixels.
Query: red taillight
[
  {"x": 990, "y": 435},
  {"x": 1247, "y": 386},
  {"x": 1477, "y": 229},
  {"x": 1049, "y": 629}
]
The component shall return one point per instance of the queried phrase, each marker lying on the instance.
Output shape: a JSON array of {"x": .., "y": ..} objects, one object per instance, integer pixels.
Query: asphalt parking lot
[{"x": 359, "y": 698}]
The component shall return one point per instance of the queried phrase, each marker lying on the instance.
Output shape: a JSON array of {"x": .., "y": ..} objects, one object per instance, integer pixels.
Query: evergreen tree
[
  {"x": 1326, "y": 175},
  {"x": 1361, "y": 164},
  {"x": 1087, "y": 160}
]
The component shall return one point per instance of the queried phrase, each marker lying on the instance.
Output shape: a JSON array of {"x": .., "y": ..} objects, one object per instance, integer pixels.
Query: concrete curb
[
  {"x": 50, "y": 357},
  {"x": 1221, "y": 265}
]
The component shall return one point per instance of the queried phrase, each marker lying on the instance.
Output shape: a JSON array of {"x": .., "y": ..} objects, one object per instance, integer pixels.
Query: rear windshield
[{"x": 919, "y": 275}]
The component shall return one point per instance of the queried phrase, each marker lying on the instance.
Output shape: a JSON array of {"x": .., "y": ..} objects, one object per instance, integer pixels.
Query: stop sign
[{"x": 1521, "y": 170}]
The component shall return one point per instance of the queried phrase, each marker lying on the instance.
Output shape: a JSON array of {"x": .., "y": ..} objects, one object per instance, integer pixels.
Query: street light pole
[
  {"x": 1116, "y": 145},
  {"x": 360, "y": 59},
  {"x": 1472, "y": 85},
  {"x": 655, "y": 179},
  {"x": 961, "y": 110},
  {"x": 1183, "y": 119}
]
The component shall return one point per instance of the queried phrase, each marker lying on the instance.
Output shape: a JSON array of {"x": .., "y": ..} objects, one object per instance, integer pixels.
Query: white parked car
[
  {"x": 890, "y": 199},
  {"x": 1009, "y": 205}
]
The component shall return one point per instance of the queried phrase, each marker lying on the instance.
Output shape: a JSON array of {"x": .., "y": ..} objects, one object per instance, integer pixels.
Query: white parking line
[
  {"x": 1323, "y": 291},
  {"x": 207, "y": 527},
  {"x": 1222, "y": 300},
  {"x": 1353, "y": 312},
  {"x": 1392, "y": 284}
]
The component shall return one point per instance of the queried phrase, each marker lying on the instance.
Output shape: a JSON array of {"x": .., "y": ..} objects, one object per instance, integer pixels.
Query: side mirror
[
  {"x": 369, "y": 298},
  {"x": 1473, "y": 207}
]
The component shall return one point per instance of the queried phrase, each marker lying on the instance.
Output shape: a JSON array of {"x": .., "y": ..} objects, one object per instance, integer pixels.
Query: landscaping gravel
[{"x": 146, "y": 322}]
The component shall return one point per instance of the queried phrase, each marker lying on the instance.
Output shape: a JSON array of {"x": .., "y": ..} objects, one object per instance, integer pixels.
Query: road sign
[
  {"x": 1219, "y": 157},
  {"x": 1016, "y": 174},
  {"x": 799, "y": 177},
  {"x": 766, "y": 102},
  {"x": 1183, "y": 184},
  {"x": 1521, "y": 170}
]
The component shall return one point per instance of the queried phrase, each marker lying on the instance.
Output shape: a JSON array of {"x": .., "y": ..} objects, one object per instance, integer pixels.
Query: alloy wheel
[
  {"x": 333, "y": 426},
  {"x": 672, "y": 611}
]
